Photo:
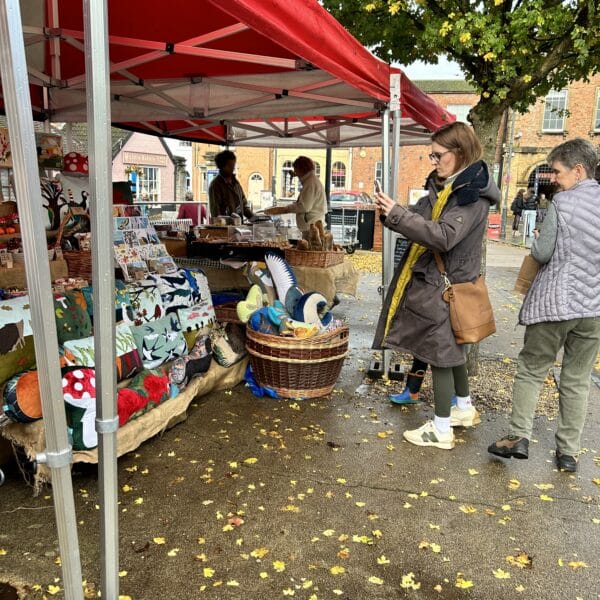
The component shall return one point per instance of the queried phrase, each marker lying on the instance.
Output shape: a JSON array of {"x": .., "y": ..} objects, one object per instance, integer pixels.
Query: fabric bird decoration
[
  {"x": 252, "y": 303},
  {"x": 312, "y": 308}
]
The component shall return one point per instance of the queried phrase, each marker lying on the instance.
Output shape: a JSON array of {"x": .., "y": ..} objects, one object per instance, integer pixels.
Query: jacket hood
[{"x": 474, "y": 183}]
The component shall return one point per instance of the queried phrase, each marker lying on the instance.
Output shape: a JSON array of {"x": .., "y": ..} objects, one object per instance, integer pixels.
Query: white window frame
[
  {"x": 555, "y": 94},
  {"x": 459, "y": 110},
  {"x": 343, "y": 168},
  {"x": 143, "y": 188},
  {"x": 379, "y": 171}
]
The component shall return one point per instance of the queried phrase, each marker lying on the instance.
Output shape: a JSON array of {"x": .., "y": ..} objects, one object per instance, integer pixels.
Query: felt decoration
[
  {"x": 128, "y": 361},
  {"x": 282, "y": 274},
  {"x": 72, "y": 321},
  {"x": 287, "y": 326},
  {"x": 259, "y": 321},
  {"x": 144, "y": 392},
  {"x": 21, "y": 398},
  {"x": 253, "y": 302},
  {"x": 258, "y": 274},
  {"x": 145, "y": 303},
  {"x": 79, "y": 392},
  {"x": 195, "y": 364},
  {"x": 312, "y": 308},
  {"x": 228, "y": 344},
  {"x": 196, "y": 318},
  {"x": 14, "y": 311},
  {"x": 75, "y": 163},
  {"x": 175, "y": 291},
  {"x": 160, "y": 341},
  {"x": 17, "y": 353},
  {"x": 122, "y": 300}
]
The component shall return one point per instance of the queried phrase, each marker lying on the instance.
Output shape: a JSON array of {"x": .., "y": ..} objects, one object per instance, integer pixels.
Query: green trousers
[{"x": 581, "y": 341}]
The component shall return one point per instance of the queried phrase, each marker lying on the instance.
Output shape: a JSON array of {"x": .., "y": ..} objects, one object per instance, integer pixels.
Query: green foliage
[{"x": 511, "y": 51}]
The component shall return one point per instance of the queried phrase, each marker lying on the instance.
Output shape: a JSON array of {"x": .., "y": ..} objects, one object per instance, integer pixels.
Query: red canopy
[{"x": 257, "y": 71}]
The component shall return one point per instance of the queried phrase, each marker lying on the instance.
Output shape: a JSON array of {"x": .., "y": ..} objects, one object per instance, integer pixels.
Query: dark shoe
[
  {"x": 564, "y": 462},
  {"x": 510, "y": 446}
]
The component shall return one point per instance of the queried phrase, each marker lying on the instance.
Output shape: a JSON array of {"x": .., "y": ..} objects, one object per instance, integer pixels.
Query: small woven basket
[
  {"x": 298, "y": 368},
  {"x": 314, "y": 258},
  {"x": 79, "y": 263},
  {"x": 227, "y": 313}
]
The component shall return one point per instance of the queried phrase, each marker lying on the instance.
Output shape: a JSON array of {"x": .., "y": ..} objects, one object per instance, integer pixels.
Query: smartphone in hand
[{"x": 378, "y": 188}]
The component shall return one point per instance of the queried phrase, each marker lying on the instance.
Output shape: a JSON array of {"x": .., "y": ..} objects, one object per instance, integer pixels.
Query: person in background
[
  {"x": 562, "y": 307},
  {"x": 529, "y": 212},
  {"x": 542, "y": 208},
  {"x": 190, "y": 210},
  {"x": 517, "y": 210},
  {"x": 225, "y": 194},
  {"x": 415, "y": 317},
  {"x": 311, "y": 205}
]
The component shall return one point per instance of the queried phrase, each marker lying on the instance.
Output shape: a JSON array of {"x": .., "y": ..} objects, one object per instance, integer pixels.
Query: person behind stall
[
  {"x": 415, "y": 317},
  {"x": 562, "y": 308},
  {"x": 190, "y": 210},
  {"x": 225, "y": 194},
  {"x": 311, "y": 205},
  {"x": 517, "y": 210}
]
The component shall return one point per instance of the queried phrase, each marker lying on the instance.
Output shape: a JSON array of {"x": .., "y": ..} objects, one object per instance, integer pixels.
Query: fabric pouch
[{"x": 160, "y": 341}]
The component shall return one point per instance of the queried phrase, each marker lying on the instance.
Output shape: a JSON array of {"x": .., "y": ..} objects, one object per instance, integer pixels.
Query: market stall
[{"x": 174, "y": 76}]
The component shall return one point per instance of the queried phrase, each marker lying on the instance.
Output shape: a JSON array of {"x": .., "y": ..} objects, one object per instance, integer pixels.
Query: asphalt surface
[{"x": 333, "y": 495}]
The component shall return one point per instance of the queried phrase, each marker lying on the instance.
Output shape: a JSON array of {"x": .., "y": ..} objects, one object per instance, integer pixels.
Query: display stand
[{"x": 30, "y": 437}]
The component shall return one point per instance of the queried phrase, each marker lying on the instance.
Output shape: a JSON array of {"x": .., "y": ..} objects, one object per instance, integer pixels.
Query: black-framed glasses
[{"x": 436, "y": 156}]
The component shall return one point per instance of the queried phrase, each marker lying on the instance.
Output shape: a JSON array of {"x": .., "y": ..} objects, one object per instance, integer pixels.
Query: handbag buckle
[{"x": 447, "y": 283}]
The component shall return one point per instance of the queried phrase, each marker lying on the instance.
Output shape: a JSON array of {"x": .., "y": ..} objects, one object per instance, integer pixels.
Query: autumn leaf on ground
[
  {"x": 328, "y": 532},
  {"x": 53, "y": 589},
  {"x": 159, "y": 540},
  {"x": 337, "y": 570},
  {"x": 173, "y": 552},
  {"x": 3, "y": 552},
  {"x": 138, "y": 501},
  {"x": 543, "y": 486},
  {"x": 208, "y": 572},
  {"x": 250, "y": 461},
  {"x": 126, "y": 488},
  {"x": 500, "y": 574},
  {"x": 408, "y": 582},
  {"x": 577, "y": 564},
  {"x": 463, "y": 583},
  {"x": 375, "y": 580},
  {"x": 467, "y": 509},
  {"x": 514, "y": 484},
  {"x": 343, "y": 553},
  {"x": 546, "y": 498},
  {"x": 279, "y": 566},
  {"x": 259, "y": 552},
  {"x": 521, "y": 560},
  {"x": 382, "y": 435},
  {"x": 596, "y": 481},
  {"x": 291, "y": 508},
  {"x": 382, "y": 560},
  {"x": 473, "y": 472}
]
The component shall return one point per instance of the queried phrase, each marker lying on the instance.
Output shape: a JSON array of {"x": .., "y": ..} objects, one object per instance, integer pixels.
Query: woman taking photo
[{"x": 415, "y": 317}]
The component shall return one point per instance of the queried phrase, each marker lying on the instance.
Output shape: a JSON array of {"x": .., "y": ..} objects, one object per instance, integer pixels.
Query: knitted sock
[
  {"x": 463, "y": 402},
  {"x": 442, "y": 424}
]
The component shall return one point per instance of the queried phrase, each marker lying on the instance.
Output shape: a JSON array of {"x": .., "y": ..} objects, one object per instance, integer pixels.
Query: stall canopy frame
[{"x": 326, "y": 82}]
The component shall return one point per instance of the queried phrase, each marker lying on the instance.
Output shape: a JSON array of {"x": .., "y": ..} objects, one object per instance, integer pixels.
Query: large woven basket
[
  {"x": 314, "y": 258},
  {"x": 227, "y": 313},
  {"x": 298, "y": 368}
]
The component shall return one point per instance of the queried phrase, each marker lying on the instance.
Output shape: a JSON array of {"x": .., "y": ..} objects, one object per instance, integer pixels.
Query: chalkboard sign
[{"x": 402, "y": 247}]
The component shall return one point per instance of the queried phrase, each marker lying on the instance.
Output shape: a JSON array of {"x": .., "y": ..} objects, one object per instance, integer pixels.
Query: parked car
[{"x": 350, "y": 197}]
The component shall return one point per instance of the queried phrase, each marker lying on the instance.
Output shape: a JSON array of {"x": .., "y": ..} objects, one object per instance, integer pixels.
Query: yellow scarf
[{"x": 415, "y": 252}]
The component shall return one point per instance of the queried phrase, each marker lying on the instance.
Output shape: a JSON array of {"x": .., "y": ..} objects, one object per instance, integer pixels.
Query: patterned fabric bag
[{"x": 160, "y": 341}]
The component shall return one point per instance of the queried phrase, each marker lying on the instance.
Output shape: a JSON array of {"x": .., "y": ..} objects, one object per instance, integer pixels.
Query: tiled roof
[{"x": 444, "y": 86}]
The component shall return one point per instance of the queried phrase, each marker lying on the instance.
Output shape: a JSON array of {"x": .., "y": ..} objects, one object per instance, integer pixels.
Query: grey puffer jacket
[{"x": 421, "y": 325}]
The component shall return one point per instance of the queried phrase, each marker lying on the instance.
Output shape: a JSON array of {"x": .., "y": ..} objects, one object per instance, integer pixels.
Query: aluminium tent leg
[
  {"x": 107, "y": 422},
  {"x": 15, "y": 86},
  {"x": 328, "y": 154}
]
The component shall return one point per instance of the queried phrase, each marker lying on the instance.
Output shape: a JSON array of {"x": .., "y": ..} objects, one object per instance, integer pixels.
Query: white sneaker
[
  {"x": 464, "y": 417},
  {"x": 428, "y": 435}
]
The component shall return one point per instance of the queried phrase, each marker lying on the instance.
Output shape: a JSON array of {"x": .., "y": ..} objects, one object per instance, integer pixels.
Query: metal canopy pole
[
  {"x": 387, "y": 234},
  {"x": 328, "y": 153},
  {"x": 107, "y": 423},
  {"x": 15, "y": 87}
]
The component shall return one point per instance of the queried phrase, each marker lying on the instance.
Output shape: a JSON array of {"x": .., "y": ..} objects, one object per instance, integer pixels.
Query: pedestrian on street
[
  {"x": 517, "y": 210},
  {"x": 542, "y": 208},
  {"x": 189, "y": 210},
  {"x": 529, "y": 212},
  {"x": 562, "y": 307},
  {"x": 415, "y": 317}
]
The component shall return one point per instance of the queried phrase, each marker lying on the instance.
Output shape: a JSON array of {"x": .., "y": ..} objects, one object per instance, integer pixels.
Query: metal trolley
[{"x": 344, "y": 227}]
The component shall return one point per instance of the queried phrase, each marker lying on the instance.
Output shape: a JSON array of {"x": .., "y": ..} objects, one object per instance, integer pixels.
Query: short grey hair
[{"x": 576, "y": 152}]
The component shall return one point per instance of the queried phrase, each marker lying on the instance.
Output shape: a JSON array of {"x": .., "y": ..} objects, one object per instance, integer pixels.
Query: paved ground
[{"x": 334, "y": 504}]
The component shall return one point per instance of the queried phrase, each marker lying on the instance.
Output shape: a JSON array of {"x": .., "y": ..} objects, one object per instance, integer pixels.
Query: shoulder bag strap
[{"x": 442, "y": 269}]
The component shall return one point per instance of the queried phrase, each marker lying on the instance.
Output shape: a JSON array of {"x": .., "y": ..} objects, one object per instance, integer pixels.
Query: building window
[
  {"x": 184, "y": 143},
  {"x": 7, "y": 191},
  {"x": 287, "y": 180},
  {"x": 461, "y": 111},
  {"x": 597, "y": 118},
  {"x": 338, "y": 175},
  {"x": 149, "y": 185},
  {"x": 317, "y": 169},
  {"x": 379, "y": 171},
  {"x": 555, "y": 106}
]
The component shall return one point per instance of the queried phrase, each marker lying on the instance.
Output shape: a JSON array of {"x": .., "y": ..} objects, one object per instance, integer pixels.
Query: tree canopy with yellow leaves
[{"x": 511, "y": 51}]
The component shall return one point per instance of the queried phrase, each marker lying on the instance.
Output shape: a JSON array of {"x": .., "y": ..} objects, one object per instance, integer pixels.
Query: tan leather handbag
[{"x": 471, "y": 313}]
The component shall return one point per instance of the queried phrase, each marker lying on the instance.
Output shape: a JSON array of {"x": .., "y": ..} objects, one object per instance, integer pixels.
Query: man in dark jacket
[{"x": 225, "y": 194}]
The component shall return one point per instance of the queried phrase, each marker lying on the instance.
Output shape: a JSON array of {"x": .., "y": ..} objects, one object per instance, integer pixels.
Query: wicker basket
[
  {"x": 227, "y": 313},
  {"x": 79, "y": 263},
  {"x": 314, "y": 258},
  {"x": 298, "y": 368}
]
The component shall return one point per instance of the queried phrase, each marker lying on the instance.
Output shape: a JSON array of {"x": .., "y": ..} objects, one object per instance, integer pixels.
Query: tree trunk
[{"x": 486, "y": 129}]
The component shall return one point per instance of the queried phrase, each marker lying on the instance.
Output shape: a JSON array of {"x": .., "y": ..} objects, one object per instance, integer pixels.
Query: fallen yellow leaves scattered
[
  {"x": 514, "y": 484},
  {"x": 521, "y": 560},
  {"x": 546, "y": 498},
  {"x": 467, "y": 509},
  {"x": 543, "y": 486},
  {"x": 424, "y": 545},
  {"x": 328, "y": 532},
  {"x": 250, "y": 461},
  {"x": 337, "y": 570},
  {"x": 382, "y": 560},
  {"x": 408, "y": 582},
  {"x": 53, "y": 589},
  {"x": 473, "y": 472},
  {"x": 463, "y": 583},
  {"x": 577, "y": 564},
  {"x": 259, "y": 552},
  {"x": 500, "y": 574},
  {"x": 127, "y": 488},
  {"x": 159, "y": 540},
  {"x": 173, "y": 552},
  {"x": 208, "y": 572},
  {"x": 279, "y": 566},
  {"x": 3, "y": 552},
  {"x": 375, "y": 580}
]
